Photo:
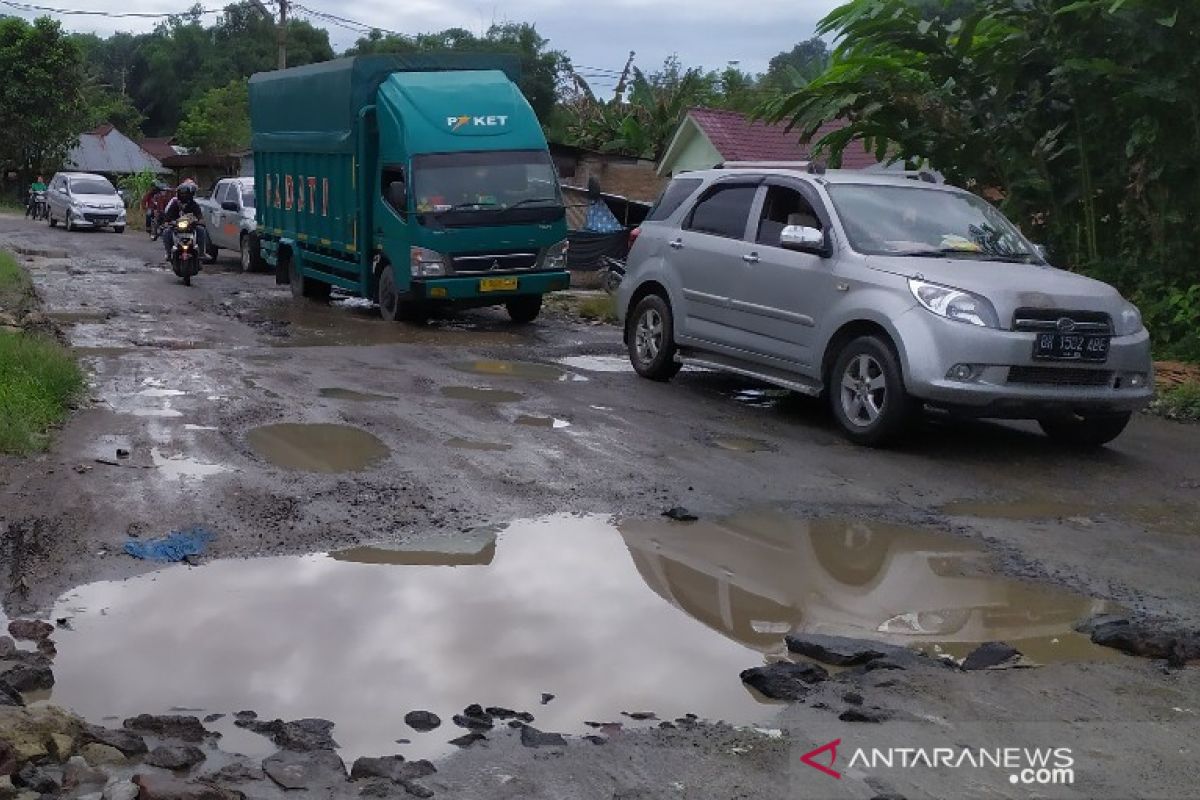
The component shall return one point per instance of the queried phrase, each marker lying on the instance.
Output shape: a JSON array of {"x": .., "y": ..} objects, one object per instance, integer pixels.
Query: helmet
[{"x": 186, "y": 191}]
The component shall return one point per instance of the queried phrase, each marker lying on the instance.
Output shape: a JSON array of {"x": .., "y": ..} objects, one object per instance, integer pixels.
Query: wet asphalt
[{"x": 290, "y": 429}]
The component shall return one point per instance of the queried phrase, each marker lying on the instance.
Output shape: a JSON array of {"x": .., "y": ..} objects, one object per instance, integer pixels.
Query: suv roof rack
[{"x": 797, "y": 165}]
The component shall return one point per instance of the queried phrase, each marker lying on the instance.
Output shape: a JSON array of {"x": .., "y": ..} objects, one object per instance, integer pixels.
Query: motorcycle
[
  {"x": 154, "y": 226},
  {"x": 185, "y": 253},
  {"x": 612, "y": 272},
  {"x": 38, "y": 206}
]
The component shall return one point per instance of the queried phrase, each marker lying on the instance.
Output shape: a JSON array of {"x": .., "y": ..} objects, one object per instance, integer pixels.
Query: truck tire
[
  {"x": 249, "y": 253},
  {"x": 306, "y": 288},
  {"x": 525, "y": 309},
  {"x": 390, "y": 306},
  {"x": 118, "y": 228}
]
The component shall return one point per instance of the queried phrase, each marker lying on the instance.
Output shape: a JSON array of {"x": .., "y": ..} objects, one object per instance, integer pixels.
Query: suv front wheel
[
  {"x": 651, "y": 339},
  {"x": 866, "y": 391}
]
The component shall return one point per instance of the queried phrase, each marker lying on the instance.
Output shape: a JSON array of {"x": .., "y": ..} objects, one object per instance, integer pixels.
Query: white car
[
  {"x": 83, "y": 200},
  {"x": 229, "y": 217}
]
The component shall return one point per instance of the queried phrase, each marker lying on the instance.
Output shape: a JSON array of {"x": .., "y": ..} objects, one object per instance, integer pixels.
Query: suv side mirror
[
  {"x": 397, "y": 195},
  {"x": 229, "y": 205},
  {"x": 802, "y": 239}
]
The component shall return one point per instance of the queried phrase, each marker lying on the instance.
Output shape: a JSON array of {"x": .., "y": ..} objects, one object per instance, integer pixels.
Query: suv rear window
[
  {"x": 723, "y": 211},
  {"x": 672, "y": 198}
]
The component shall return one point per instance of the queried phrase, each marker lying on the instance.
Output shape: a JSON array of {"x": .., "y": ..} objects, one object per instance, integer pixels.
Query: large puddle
[
  {"x": 647, "y": 615},
  {"x": 526, "y": 370},
  {"x": 320, "y": 447},
  {"x": 298, "y": 324}
]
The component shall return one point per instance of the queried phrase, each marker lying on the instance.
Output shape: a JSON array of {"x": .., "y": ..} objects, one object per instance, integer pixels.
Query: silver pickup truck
[{"x": 229, "y": 217}]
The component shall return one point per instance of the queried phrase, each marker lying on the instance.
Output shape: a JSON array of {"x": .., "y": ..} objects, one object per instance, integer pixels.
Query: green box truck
[{"x": 413, "y": 181}]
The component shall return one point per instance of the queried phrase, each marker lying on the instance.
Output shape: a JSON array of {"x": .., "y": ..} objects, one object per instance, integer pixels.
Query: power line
[
  {"x": 349, "y": 24},
  {"x": 110, "y": 14}
]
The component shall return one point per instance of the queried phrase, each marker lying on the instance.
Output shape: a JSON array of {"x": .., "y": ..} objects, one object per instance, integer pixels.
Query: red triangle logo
[{"x": 830, "y": 747}]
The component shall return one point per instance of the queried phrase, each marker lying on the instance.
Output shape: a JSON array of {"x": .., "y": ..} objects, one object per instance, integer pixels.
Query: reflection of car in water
[{"x": 757, "y": 577}]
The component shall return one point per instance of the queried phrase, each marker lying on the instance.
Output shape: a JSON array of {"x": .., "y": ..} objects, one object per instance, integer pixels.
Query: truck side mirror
[
  {"x": 397, "y": 195},
  {"x": 229, "y": 205}
]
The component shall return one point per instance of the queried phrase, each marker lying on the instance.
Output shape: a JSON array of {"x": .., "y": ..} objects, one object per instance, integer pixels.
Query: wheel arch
[
  {"x": 644, "y": 289},
  {"x": 853, "y": 329}
]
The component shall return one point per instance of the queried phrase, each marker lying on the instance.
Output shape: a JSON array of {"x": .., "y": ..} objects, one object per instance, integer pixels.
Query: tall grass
[{"x": 39, "y": 378}]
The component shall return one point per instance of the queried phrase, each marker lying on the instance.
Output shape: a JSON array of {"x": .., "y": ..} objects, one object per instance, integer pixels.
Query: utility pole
[
  {"x": 620, "y": 91},
  {"x": 283, "y": 6},
  {"x": 281, "y": 31}
]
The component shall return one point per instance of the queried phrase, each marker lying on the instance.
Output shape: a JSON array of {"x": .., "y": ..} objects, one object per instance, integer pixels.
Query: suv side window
[
  {"x": 672, "y": 198},
  {"x": 784, "y": 206},
  {"x": 723, "y": 211}
]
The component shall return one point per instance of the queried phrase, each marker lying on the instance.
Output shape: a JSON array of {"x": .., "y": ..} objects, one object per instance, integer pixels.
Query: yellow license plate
[{"x": 498, "y": 284}]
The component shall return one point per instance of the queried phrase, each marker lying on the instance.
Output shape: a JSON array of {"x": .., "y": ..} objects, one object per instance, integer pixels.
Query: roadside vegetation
[
  {"x": 39, "y": 379},
  {"x": 1180, "y": 402}
]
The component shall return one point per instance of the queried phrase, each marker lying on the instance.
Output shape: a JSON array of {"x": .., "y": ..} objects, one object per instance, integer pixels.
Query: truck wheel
[
  {"x": 523, "y": 310},
  {"x": 390, "y": 307},
  {"x": 867, "y": 393},
  {"x": 1090, "y": 430},
  {"x": 651, "y": 339},
  {"x": 251, "y": 258},
  {"x": 118, "y": 229},
  {"x": 303, "y": 287}
]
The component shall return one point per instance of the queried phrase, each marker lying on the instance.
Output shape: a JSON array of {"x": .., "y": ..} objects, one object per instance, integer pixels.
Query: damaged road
[{"x": 470, "y": 514}]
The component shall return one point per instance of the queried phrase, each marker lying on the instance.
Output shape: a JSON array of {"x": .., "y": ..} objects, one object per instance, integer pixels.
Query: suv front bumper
[{"x": 1007, "y": 381}]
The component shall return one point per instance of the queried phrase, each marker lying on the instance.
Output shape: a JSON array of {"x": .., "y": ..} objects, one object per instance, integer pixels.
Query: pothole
[
  {"x": 526, "y": 370},
  {"x": 338, "y": 393},
  {"x": 478, "y": 394},
  {"x": 740, "y": 444},
  {"x": 319, "y": 447},
  {"x": 531, "y": 421},
  {"x": 570, "y": 605}
]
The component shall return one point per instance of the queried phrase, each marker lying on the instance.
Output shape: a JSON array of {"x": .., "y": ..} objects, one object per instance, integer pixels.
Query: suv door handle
[
  {"x": 750, "y": 258},
  {"x": 677, "y": 244}
]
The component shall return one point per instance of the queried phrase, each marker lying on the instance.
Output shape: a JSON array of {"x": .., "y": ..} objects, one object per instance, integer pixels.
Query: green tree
[
  {"x": 797, "y": 66},
  {"x": 1081, "y": 117},
  {"x": 219, "y": 121},
  {"x": 39, "y": 96},
  {"x": 543, "y": 70}
]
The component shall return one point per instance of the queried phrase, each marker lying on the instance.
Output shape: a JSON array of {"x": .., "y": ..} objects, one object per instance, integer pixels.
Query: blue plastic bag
[{"x": 176, "y": 546}]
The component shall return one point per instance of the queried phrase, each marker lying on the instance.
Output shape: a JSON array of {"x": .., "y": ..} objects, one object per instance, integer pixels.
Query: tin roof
[{"x": 107, "y": 150}]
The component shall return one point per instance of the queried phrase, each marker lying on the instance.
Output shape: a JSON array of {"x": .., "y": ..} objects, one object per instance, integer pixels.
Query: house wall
[
  {"x": 635, "y": 179},
  {"x": 696, "y": 152}
]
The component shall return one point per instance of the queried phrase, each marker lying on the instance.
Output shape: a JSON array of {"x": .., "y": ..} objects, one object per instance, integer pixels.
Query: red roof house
[{"x": 708, "y": 137}]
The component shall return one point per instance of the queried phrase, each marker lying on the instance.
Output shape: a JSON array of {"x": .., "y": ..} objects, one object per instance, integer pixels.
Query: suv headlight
[
  {"x": 556, "y": 255},
  {"x": 426, "y": 262},
  {"x": 1130, "y": 321},
  {"x": 955, "y": 304}
]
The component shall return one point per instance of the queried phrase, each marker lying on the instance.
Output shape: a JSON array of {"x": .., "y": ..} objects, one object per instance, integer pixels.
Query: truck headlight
[
  {"x": 1130, "y": 321},
  {"x": 955, "y": 304},
  {"x": 556, "y": 255},
  {"x": 426, "y": 262}
]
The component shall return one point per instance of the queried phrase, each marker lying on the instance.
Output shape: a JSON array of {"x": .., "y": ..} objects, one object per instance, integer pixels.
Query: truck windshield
[
  {"x": 486, "y": 188},
  {"x": 926, "y": 223}
]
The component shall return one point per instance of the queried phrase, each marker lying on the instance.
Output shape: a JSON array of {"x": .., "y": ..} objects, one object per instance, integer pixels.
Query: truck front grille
[
  {"x": 505, "y": 261},
  {"x": 1042, "y": 320},
  {"x": 1060, "y": 376}
]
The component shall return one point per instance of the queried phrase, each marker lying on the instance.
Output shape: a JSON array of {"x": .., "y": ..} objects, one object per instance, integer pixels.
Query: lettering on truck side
[
  {"x": 490, "y": 121},
  {"x": 290, "y": 197}
]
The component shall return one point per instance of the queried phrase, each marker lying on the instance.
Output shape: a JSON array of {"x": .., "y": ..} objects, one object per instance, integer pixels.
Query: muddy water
[
  {"x": 739, "y": 444},
  {"x": 338, "y": 393},
  {"x": 598, "y": 363},
  {"x": 319, "y": 447},
  {"x": 478, "y": 394},
  {"x": 340, "y": 325},
  {"x": 531, "y": 421},
  {"x": 569, "y": 605},
  {"x": 525, "y": 370},
  {"x": 458, "y": 443},
  {"x": 178, "y": 467}
]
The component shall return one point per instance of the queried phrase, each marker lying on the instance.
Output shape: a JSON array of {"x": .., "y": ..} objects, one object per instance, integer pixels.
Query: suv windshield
[
  {"x": 915, "y": 221},
  {"x": 92, "y": 186},
  {"x": 503, "y": 187}
]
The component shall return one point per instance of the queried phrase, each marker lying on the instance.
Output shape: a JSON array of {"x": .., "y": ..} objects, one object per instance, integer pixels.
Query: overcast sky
[{"x": 709, "y": 33}]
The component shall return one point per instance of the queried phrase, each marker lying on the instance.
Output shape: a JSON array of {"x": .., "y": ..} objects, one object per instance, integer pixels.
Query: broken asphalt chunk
[
  {"x": 994, "y": 655},
  {"x": 393, "y": 768},
  {"x": 422, "y": 721},
  {"x": 840, "y": 651},
  {"x": 468, "y": 739},
  {"x": 784, "y": 680},
  {"x": 33, "y": 630},
  {"x": 680, "y": 514},
  {"x": 532, "y": 737},
  {"x": 169, "y": 726}
]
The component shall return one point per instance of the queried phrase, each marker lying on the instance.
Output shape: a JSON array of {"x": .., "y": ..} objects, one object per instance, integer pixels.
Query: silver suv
[{"x": 888, "y": 293}]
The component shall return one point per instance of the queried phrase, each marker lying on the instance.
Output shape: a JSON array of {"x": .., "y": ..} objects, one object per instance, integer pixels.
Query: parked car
[
  {"x": 229, "y": 217},
  {"x": 83, "y": 200},
  {"x": 885, "y": 293}
]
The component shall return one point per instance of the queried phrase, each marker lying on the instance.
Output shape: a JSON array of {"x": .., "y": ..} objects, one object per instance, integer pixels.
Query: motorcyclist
[
  {"x": 38, "y": 185},
  {"x": 155, "y": 202},
  {"x": 182, "y": 204}
]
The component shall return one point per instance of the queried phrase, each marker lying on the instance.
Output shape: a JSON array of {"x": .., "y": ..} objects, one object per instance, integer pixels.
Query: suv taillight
[{"x": 633, "y": 234}]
